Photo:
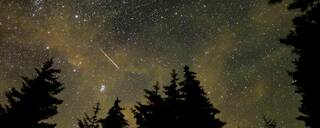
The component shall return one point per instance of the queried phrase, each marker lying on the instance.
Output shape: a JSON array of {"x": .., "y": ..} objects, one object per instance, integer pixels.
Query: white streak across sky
[{"x": 106, "y": 55}]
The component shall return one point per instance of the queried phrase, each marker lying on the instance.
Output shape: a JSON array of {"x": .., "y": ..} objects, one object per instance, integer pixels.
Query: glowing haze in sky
[{"x": 232, "y": 45}]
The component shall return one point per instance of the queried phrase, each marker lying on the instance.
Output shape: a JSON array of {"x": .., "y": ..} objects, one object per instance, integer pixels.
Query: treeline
[
  {"x": 181, "y": 104},
  {"x": 184, "y": 104}
]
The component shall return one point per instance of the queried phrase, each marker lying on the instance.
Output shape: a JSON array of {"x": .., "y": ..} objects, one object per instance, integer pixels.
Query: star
[{"x": 102, "y": 88}]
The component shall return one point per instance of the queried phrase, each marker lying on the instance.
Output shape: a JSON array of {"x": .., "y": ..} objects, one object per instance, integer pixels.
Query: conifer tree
[
  {"x": 184, "y": 106},
  {"x": 197, "y": 109},
  {"x": 35, "y": 102},
  {"x": 172, "y": 103},
  {"x": 172, "y": 91},
  {"x": 115, "y": 118},
  {"x": 150, "y": 115},
  {"x": 304, "y": 39},
  {"x": 90, "y": 122}
]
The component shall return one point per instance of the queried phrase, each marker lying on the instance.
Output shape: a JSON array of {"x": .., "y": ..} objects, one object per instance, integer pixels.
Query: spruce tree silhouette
[
  {"x": 184, "y": 106},
  {"x": 173, "y": 101},
  {"x": 150, "y": 115},
  {"x": 304, "y": 38},
  {"x": 90, "y": 122},
  {"x": 197, "y": 109},
  {"x": 34, "y": 102},
  {"x": 114, "y": 119},
  {"x": 172, "y": 91}
]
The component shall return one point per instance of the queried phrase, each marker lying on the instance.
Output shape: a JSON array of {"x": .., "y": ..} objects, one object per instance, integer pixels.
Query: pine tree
[
  {"x": 90, "y": 122},
  {"x": 114, "y": 119},
  {"x": 172, "y": 103},
  {"x": 184, "y": 106},
  {"x": 305, "y": 38},
  {"x": 35, "y": 102},
  {"x": 172, "y": 90},
  {"x": 197, "y": 109},
  {"x": 150, "y": 115}
]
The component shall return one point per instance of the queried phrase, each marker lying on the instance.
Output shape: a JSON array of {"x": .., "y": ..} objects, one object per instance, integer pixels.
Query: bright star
[{"x": 102, "y": 88}]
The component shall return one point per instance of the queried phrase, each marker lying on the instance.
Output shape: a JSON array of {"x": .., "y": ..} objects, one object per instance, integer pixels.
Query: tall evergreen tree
[
  {"x": 172, "y": 91},
  {"x": 184, "y": 106},
  {"x": 172, "y": 103},
  {"x": 150, "y": 115},
  {"x": 197, "y": 109},
  {"x": 305, "y": 38},
  {"x": 90, "y": 122},
  {"x": 34, "y": 102},
  {"x": 115, "y": 119}
]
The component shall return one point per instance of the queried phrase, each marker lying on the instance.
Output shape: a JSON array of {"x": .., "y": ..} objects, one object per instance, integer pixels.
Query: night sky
[{"x": 232, "y": 45}]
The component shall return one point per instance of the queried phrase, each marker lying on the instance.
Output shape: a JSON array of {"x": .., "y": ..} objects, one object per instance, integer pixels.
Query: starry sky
[{"x": 232, "y": 45}]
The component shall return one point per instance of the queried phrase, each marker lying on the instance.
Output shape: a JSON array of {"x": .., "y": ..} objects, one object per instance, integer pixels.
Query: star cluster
[{"x": 232, "y": 45}]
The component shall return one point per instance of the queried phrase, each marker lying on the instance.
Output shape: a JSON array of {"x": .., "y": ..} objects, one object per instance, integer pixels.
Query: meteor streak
[{"x": 105, "y": 54}]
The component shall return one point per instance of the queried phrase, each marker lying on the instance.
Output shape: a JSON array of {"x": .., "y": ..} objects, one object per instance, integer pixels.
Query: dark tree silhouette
[
  {"x": 172, "y": 103},
  {"x": 114, "y": 119},
  {"x": 34, "y": 102},
  {"x": 305, "y": 38},
  {"x": 270, "y": 123},
  {"x": 184, "y": 106},
  {"x": 90, "y": 121},
  {"x": 150, "y": 115},
  {"x": 172, "y": 91},
  {"x": 197, "y": 109}
]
